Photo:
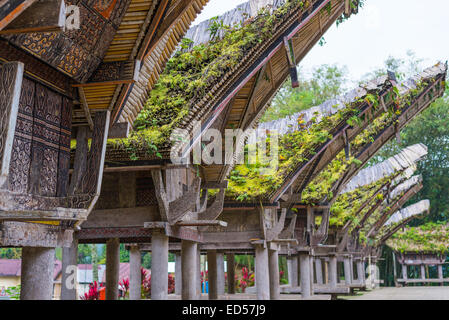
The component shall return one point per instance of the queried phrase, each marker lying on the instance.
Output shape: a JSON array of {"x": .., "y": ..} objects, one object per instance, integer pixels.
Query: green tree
[
  {"x": 326, "y": 82},
  {"x": 10, "y": 253},
  {"x": 146, "y": 263}
]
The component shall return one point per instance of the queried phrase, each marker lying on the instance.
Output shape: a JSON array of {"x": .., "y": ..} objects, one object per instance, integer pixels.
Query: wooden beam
[
  {"x": 202, "y": 223},
  {"x": 41, "y": 16},
  {"x": 116, "y": 72},
  {"x": 215, "y": 185},
  {"x": 86, "y": 108},
  {"x": 11, "y": 9},
  {"x": 22, "y": 234}
]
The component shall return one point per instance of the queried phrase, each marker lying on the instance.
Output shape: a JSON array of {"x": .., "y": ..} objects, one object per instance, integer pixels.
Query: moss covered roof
[{"x": 428, "y": 238}]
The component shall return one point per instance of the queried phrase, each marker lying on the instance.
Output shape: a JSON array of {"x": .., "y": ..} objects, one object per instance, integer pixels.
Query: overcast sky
[{"x": 382, "y": 28}]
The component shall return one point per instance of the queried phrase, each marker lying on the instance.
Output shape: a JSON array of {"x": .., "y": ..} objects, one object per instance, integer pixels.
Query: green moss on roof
[
  {"x": 246, "y": 181},
  {"x": 189, "y": 76},
  {"x": 348, "y": 206},
  {"x": 428, "y": 238}
]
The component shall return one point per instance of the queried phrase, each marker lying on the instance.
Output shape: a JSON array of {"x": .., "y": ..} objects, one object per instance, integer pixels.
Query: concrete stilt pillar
[
  {"x": 212, "y": 274},
  {"x": 404, "y": 271},
  {"x": 37, "y": 273},
  {"x": 112, "y": 268},
  {"x": 230, "y": 266},
  {"x": 159, "y": 266},
  {"x": 440, "y": 272},
  {"x": 262, "y": 274},
  {"x": 361, "y": 271},
  {"x": 178, "y": 274},
  {"x": 293, "y": 279},
  {"x": 312, "y": 270},
  {"x": 135, "y": 274},
  {"x": 220, "y": 274},
  {"x": 198, "y": 277},
  {"x": 333, "y": 276},
  {"x": 273, "y": 265},
  {"x": 326, "y": 272},
  {"x": 347, "y": 270},
  {"x": 69, "y": 272},
  {"x": 189, "y": 270},
  {"x": 319, "y": 271},
  {"x": 306, "y": 280},
  {"x": 423, "y": 272},
  {"x": 290, "y": 271}
]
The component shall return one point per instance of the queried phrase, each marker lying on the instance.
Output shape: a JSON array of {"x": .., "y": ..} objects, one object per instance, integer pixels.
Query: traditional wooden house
[
  {"x": 61, "y": 76},
  {"x": 148, "y": 198},
  {"x": 422, "y": 247}
]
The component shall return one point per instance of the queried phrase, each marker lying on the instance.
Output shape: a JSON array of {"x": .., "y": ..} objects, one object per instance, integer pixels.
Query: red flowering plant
[
  {"x": 124, "y": 287},
  {"x": 146, "y": 284},
  {"x": 247, "y": 279},
  {"x": 93, "y": 293}
]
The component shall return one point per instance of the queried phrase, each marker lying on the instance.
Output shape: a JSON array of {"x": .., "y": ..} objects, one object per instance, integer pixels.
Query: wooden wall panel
[{"x": 21, "y": 153}]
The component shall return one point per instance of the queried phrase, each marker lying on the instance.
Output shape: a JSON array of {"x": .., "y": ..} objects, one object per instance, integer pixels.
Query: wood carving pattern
[
  {"x": 90, "y": 178},
  {"x": 45, "y": 143},
  {"x": 64, "y": 148},
  {"x": 77, "y": 53},
  {"x": 33, "y": 65},
  {"x": 21, "y": 153},
  {"x": 145, "y": 195},
  {"x": 111, "y": 71}
]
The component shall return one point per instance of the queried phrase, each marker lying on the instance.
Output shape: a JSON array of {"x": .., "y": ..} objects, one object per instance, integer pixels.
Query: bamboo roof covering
[
  {"x": 345, "y": 166},
  {"x": 412, "y": 211},
  {"x": 179, "y": 16},
  {"x": 396, "y": 199},
  {"x": 116, "y": 56},
  {"x": 238, "y": 98},
  {"x": 434, "y": 91},
  {"x": 399, "y": 219},
  {"x": 407, "y": 158}
]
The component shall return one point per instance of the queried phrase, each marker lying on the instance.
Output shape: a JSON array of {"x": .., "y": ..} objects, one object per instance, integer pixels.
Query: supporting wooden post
[
  {"x": 423, "y": 272},
  {"x": 159, "y": 265},
  {"x": 230, "y": 265},
  {"x": 262, "y": 273},
  {"x": 135, "y": 274},
  {"x": 306, "y": 281},
  {"x": 212, "y": 274},
  {"x": 112, "y": 268},
  {"x": 333, "y": 276},
  {"x": 178, "y": 274},
  {"x": 69, "y": 272},
  {"x": 37, "y": 273},
  {"x": 189, "y": 270},
  {"x": 319, "y": 271},
  {"x": 440, "y": 274},
  {"x": 273, "y": 260}
]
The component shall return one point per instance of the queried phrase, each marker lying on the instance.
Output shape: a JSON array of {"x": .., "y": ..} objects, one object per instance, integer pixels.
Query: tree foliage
[{"x": 325, "y": 82}]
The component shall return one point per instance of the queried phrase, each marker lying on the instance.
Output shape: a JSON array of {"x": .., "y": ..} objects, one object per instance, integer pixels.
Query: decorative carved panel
[
  {"x": 21, "y": 153},
  {"x": 77, "y": 53}
]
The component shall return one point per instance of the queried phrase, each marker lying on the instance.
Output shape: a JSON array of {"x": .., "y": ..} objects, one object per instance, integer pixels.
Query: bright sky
[{"x": 382, "y": 28}]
